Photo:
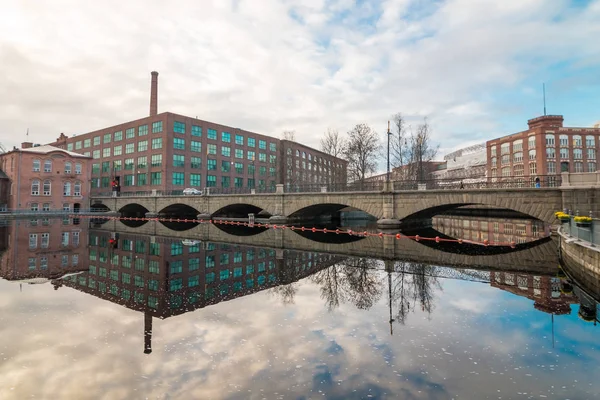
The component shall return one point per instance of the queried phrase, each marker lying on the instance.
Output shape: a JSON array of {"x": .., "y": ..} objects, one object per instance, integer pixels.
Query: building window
[
  {"x": 563, "y": 140},
  {"x": 251, "y": 155},
  {"x": 550, "y": 152},
  {"x": 212, "y": 164},
  {"x": 262, "y": 171},
  {"x": 550, "y": 140},
  {"x": 47, "y": 188},
  {"x": 34, "y": 206},
  {"x": 33, "y": 239},
  {"x": 143, "y": 130},
  {"x": 142, "y": 179},
  {"x": 251, "y": 142},
  {"x": 129, "y": 148},
  {"x": 143, "y": 145},
  {"x": 196, "y": 131},
  {"x": 532, "y": 168},
  {"x": 67, "y": 189},
  {"x": 532, "y": 154},
  {"x": 87, "y": 143},
  {"x": 262, "y": 144},
  {"x": 46, "y": 207},
  {"x": 272, "y": 171},
  {"x": 77, "y": 189},
  {"x": 505, "y": 160},
  {"x": 157, "y": 143},
  {"x": 251, "y": 182},
  {"x": 69, "y": 146},
  {"x": 47, "y": 166},
  {"x": 239, "y": 182},
  {"x": 129, "y": 164},
  {"x": 225, "y": 166},
  {"x": 493, "y": 161},
  {"x": 518, "y": 170},
  {"x": 156, "y": 160},
  {"x": 211, "y": 149},
  {"x": 195, "y": 180},
  {"x": 577, "y": 154},
  {"x": 130, "y": 133},
  {"x": 118, "y": 136},
  {"x": 97, "y": 141},
  {"x": 551, "y": 167},
  {"x": 578, "y": 167},
  {"x": 36, "y": 165},
  {"x": 178, "y": 144},
  {"x": 564, "y": 153},
  {"x": 195, "y": 162},
  {"x": 195, "y": 146},
  {"x": 118, "y": 150},
  {"x": 239, "y": 140},
  {"x": 262, "y": 157},
  {"x": 272, "y": 146},
  {"x": 156, "y": 178},
  {"x": 211, "y": 134},
  {"x": 505, "y": 171},
  {"x": 178, "y": 160},
  {"x": 531, "y": 142},
  {"x": 591, "y": 166},
  {"x": 239, "y": 168},
  {"x": 225, "y": 137},
  {"x": 77, "y": 169},
  {"x": 211, "y": 181},
  {"x": 590, "y": 141},
  {"x": 225, "y": 151},
  {"x": 129, "y": 180},
  {"x": 178, "y": 178},
  {"x": 239, "y": 153},
  {"x": 142, "y": 162},
  {"x": 225, "y": 180},
  {"x": 272, "y": 159},
  {"x": 178, "y": 127},
  {"x": 157, "y": 127},
  {"x": 35, "y": 188},
  {"x": 105, "y": 166},
  {"x": 591, "y": 154},
  {"x": 577, "y": 141}
]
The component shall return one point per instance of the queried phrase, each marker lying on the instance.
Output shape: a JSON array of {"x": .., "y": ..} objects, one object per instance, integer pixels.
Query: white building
[{"x": 467, "y": 163}]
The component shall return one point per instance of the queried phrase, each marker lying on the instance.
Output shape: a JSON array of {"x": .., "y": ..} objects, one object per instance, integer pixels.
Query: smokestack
[{"x": 154, "y": 94}]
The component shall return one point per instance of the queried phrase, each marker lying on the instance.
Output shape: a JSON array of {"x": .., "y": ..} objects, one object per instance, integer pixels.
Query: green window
[
  {"x": 142, "y": 179},
  {"x": 152, "y": 302},
  {"x": 92, "y": 269},
  {"x": 237, "y": 272},
  {"x": 178, "y": 127},
  {"x": 272, "y": 159},
  {"x": 225, "y": 166},
  {"x": 211, "y": 134},
  {"x": 126, "y": 261},
  {"x": 143, "y": 130},
  {"x": 118, "y": 136},
  {"x": 154, "y": 249},
  {"x": 224, "y": 259},
  {"x": 129, "y": 148},
  {"x": 261, "y": 266},
  {"x": 178, "y": 144},
  {"x": 105, "y": 166},
  {"x": 210, "y": 277},
  {"x": 239, "y": 153},
  {"x": 107, "y": 138},
  {"x": 129, "y": 133},
  {"x": 251, "y": 142},
  {"x": 96, "y": 140},
  {"x": 176, "y": 267},
  {"x": 153, "y": 285},
  {"x": 95, "y": 168},
  {"x": 117, "y": 165},
  {"x": 251, "y": 169},
  {"x": 249, "y": 269},
  {"x": 126, "y": 294},
  {"x": 239, "y": 168},
  {"x": 262, "y": 157},
  {"x": 70, "y": 146},
  {"x": 178, "y": 178},
  {"x": 106, "y": 152},
  {"x": 142, "y": 162},
  {"x": 153, "y": 266},
  {"x": 239, "y": 139},
  {"x": 272, "y": 147},
  {"x": 193, "y": 264},
  {"x": 143, "y": 145},
  {"x": 102, "y": 272},
  {"x": 212, "y": 148},
  {"x": 225, "y": 137},
  {"x": 193, "y": 281},
  {"x": 126, "y": 278},
  {"x": 225, "y": 181},
  {"x": 237, "y": 286},
  {"x": 211, "y": 181},
  {"x": 157, "y": 127},
  {"x": 196, "y": 162},
  {"x": 114, "y": 289},
  {"x": 156, "y": 160},
  {"x": 157, "y": 143},
  {"x": 249, "y": 283},
  {"x": 156, "y": 178},
  {"x": 237, "y": 257},
  {"x": 176, "y": 249},
  {"x": 140, "y": 248},
  {"x": 195, "y": 146},
  {"x": 87, "y": 143},
  {"x": 128, "y": 180},
  {"x": 211, "y": 164},
  {"x": 195, "y": 179},
  {"x": 78, "y": 145},
  {"x": 209, "y": 261},
  {"x": 250, "y": 255},
  {"x": 128, "y": 164},
  {"x": 225, "y": 151},
  {"x": 251, "y": 155},
  {"x": 272, "y": 171},
  {"x": 118, "y": 150},
  {"x": 262, "y": 144},
  {"x": 250, "y": 182},
  {"x": 239, "y": 182},
  {"x": 262, "y": 171},
  {"x": 96, "y": 154},
  {"x": 196, "y": 131},
  {"x": 224, "y": 274},
  {"x": 178, "y": 160}
]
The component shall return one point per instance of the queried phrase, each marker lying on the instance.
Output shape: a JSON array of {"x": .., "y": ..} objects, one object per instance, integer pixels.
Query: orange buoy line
[{"x": 338, "y": 231}]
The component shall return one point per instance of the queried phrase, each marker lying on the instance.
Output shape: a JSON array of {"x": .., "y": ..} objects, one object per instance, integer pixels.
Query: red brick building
[
  {"x": 169, "y": 151},
  {"x": 44, "y": 178},
  {"x": 546, "y": 148}
]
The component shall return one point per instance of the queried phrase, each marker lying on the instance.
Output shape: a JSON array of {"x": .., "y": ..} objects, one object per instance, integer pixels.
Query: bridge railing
[
  {"x": 506, "y": 182},
  {"x": 335, "y": 187}
]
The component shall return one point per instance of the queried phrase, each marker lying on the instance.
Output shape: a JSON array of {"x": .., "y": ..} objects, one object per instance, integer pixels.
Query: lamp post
[{"x": 388, "y": 152}]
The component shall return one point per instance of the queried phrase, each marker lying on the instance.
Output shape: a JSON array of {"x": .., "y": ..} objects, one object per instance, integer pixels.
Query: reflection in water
[{"x": 337, "y": 300}]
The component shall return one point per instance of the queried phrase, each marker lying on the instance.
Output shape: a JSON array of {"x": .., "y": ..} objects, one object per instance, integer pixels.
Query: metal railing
[
  {"x": 44, "y": 213},
  {"x": 586, "y": 232},
  {"x": 508, "y": 182},
  {"x": 375, "y": 186}
]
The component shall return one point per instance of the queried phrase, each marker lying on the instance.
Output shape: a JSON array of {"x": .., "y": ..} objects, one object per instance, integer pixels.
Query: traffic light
[
  {"x": 116, "y": 184},
  {"x": 114, "y": 241}
]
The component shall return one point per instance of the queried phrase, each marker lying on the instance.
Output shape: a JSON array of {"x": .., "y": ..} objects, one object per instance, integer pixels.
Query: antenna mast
[{"x": 544, "y": 94}]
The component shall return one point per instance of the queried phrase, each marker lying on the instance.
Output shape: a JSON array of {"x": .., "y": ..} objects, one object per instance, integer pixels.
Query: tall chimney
[{"x": 154, "y": 94}]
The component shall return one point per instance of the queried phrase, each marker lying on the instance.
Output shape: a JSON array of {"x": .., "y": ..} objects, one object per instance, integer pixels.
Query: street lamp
[{"x": 388, "y": 152}]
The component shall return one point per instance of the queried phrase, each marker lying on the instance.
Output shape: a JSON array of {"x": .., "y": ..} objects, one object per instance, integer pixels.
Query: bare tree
[
  {"x": 420, "y": 152},
  {"x": 399, "y": 150},
  {"x": 289, "y": 135},
  {"x": 361, "y": 152},
  {"x": 332, "y": 143}
]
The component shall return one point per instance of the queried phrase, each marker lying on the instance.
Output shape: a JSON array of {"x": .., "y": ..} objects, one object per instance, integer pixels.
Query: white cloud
[{"x": 283, "y": 65}]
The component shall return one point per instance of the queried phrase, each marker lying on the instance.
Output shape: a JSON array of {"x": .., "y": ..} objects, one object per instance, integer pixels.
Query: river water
[{"x": 114, "y": 312}]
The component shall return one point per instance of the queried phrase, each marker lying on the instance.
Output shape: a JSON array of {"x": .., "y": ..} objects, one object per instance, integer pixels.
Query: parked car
[
  {"x": 192, "y": 192},
  {"x": 189, "y": 242}
]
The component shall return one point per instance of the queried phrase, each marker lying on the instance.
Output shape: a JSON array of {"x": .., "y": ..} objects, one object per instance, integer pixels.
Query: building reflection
[
  {"x": 162, "y": 277},
  {"x": 496, "y": 230},
  {"x": 38, "y": 250}
]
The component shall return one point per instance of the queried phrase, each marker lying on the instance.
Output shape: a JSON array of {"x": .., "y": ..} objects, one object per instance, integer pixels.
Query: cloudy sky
[{"x": 474, "y": 68}]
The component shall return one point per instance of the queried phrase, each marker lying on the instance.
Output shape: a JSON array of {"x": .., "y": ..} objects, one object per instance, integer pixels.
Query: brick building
[
  {"x": 44, "y": 178},
  {"x": 169, "y": 151},
  {"x": 41, "y": 249},
  {"x": 546, "y": 148}
]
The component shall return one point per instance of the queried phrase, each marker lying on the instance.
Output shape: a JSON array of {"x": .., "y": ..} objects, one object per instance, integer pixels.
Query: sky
[{"x": 474, "y": 69}]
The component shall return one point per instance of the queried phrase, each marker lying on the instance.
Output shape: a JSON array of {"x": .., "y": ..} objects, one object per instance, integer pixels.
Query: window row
[
  {"x": 48, "y": 167},
  {"x": 67, "y": 238},
  {"x": 142, "y": 130},
  {"x": 32, "y": 262},
  {"x": 69, "y": 189},
  {"x": 318, "y": 160}
]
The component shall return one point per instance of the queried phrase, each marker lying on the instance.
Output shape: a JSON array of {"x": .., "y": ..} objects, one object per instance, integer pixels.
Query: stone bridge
[
  {"x": 392, "y": 207},
  {"x": 541, "y": 258}
]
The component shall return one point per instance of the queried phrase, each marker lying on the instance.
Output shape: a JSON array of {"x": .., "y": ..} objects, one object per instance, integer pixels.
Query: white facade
[{"x": 467, "y": 163}]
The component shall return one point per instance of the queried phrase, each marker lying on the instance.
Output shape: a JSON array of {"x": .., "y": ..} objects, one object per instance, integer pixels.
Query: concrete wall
[{"x": 582, "y": 263}]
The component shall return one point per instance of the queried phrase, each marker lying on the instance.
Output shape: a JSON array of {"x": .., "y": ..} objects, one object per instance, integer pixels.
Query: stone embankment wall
[{"x": 582, "y": 262}]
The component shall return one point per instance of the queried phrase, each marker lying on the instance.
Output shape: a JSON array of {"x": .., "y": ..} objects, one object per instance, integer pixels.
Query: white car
[
  {"x": 189, "y": 242},
  {"x": 191, "y": 192}
]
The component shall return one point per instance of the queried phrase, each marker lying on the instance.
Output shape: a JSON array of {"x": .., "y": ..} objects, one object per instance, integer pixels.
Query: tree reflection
[
  {"x": 413, "y": 283},
  {"x": 287, "y": 293}
]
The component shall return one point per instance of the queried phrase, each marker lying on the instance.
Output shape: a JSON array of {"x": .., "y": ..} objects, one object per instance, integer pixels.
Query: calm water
[{"x": 163, "y": 315}]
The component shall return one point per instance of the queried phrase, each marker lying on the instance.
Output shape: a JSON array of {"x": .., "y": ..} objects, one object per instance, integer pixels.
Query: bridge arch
[
  {"x": 320, "y": 209},
  {"x": 240, "y": 210}
]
